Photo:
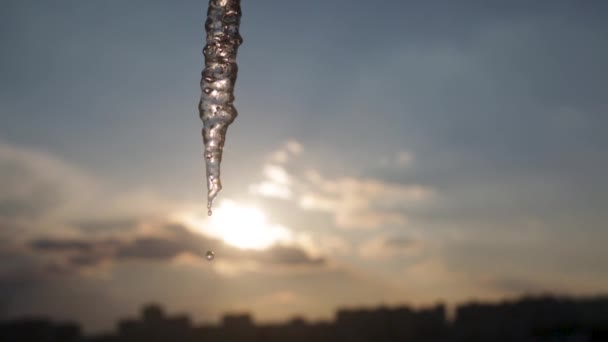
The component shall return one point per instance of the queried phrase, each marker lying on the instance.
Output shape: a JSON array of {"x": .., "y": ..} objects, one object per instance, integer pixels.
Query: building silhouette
[{"x": 534, "y": 319}]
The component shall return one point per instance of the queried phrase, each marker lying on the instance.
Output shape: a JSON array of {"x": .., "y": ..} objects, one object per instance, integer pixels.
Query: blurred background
[{"x": 385, "y": 153}]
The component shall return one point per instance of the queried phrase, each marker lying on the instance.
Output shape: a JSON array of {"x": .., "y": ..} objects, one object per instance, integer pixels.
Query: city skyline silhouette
[{"x": 531, "y": 318}]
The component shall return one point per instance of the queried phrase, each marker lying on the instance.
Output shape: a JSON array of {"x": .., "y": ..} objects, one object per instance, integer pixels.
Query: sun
[{"x": 240, "y": 226}]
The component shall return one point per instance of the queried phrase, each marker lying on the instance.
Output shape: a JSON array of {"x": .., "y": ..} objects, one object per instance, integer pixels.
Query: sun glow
[{"x": 240, "y": 226}]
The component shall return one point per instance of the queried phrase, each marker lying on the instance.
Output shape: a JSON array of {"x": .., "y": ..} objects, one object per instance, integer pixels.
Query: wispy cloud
[
  {"x": 353, "y": 202},
  {"x": 362, "y": 203},
  {"x": 277, "y": 183},
  {"x": 34, "y": 185},
  {"x": 286, "y": 152},
  {"x": 404, "y": 158},
  {"x": 401, "y": 159},
  {"x": 38, "y": 190}
]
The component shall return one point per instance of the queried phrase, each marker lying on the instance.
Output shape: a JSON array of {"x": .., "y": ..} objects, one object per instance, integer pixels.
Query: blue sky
[{"x": 400, "y": 151}]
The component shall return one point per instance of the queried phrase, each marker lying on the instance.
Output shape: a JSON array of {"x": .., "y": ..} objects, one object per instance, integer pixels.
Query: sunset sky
[{"x": 386, "y": 152}]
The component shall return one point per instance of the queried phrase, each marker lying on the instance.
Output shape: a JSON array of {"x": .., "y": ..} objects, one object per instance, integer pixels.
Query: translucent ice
[{"x": 216, "y": 107}]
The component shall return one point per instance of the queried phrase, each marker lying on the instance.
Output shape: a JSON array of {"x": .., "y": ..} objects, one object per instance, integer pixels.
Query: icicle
[{"x": 216, "y": 107}]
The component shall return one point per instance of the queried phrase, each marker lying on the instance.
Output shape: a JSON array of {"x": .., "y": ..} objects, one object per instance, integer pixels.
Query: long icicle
[{"x": 216, "y": 107}]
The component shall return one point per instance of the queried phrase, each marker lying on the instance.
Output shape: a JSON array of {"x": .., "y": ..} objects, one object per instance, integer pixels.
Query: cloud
[
  {"x": 334, "y": 245},
  {"x": 387, "y": 247},
  {"x": 58, "y": 220},
  {"x": 271, "y": 190},
  {"x": 276, "y": 174},
  {"x": 34, "y": 185},
  {"x": 91, "y": 226},
  {"x": 362, "y": 203},
  {"x": 38, "y": 190},
  {"x": 277, "y": 181},
  {"x": 152, "y": 248},
  {"x": 288, "y": 255},
  {"x": 288, "y": 150},
  {"x": 71, "y": 245},
  {"x": 404, "y": 158},
  {"x": 353, "y": 202},
  {"x": 171, "y": 242},
  {"x": 399, "y": 160}
]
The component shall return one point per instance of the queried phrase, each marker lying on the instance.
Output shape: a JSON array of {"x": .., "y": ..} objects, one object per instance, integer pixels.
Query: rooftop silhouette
[{"x": 540, "y": 318}]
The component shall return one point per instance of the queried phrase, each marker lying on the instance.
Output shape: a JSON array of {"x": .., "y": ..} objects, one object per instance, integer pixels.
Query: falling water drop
[
  {"x": 209, "y": 255},
  {"x": 216, "y": 107}
]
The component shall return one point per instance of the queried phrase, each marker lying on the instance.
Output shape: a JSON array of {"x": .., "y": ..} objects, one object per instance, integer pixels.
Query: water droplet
[
  {"x": 217, "y": 83},
  {"x": 209, "y": 255}
]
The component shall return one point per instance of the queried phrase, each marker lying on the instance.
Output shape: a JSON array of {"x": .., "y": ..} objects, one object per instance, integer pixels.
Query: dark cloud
[
  {"x": 172, "y": 241},
  {"x": 152, "y": 249},
  {"x": 108, "y": 225},
  {"x": 86, "y": 260},
  {"x": 73, "y": 245},
  {"x": 288, "y": 255},
  {"x": 62, "y": 245}
]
